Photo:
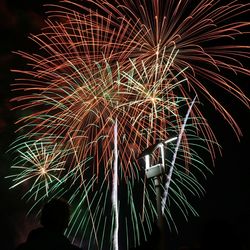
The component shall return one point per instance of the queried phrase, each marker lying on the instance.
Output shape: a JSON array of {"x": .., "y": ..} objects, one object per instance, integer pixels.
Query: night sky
[{"x": 227, "y": 195}]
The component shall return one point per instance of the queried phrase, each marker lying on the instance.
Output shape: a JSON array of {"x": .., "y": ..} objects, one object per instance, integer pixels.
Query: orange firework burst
[{"x": 206, "y": 33}]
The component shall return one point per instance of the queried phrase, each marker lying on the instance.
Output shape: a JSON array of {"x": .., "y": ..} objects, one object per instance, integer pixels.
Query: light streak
[
  {"x": 169, "y": 176},
  {"x": 115, "y": 190}
]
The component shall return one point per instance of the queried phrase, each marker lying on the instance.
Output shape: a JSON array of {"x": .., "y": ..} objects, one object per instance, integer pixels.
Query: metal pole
[
  {"x": 161, "y": 245},
  {"x": 158, "y": 200}
]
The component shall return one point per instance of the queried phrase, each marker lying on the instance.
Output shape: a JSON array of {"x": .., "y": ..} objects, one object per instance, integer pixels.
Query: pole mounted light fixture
[
  {"x": 155, "y": 171},
  {"x": 160, "y": 168}
]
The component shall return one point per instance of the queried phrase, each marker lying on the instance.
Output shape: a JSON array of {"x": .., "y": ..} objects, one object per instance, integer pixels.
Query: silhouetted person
[{"x": 54, "y": 219}]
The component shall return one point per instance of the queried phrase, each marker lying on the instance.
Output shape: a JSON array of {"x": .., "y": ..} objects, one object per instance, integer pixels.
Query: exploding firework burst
[
  {"x": 39, "y": 164},
  {"x": 78, "y": 107},
  {"x": 135, "y": 63},
  {"x": 206, "y": 33},
  {"x": 78, "y": 113}
]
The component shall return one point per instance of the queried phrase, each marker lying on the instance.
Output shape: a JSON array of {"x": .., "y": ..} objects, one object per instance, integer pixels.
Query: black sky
[{"x": 228, "y": 190}]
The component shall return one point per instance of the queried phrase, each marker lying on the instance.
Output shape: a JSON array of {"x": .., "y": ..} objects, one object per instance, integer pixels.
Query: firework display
[{"x": 109, "y": 81}]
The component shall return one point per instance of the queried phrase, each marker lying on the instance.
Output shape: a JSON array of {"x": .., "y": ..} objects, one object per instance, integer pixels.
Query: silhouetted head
[{"x": 55, "y": 215}]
